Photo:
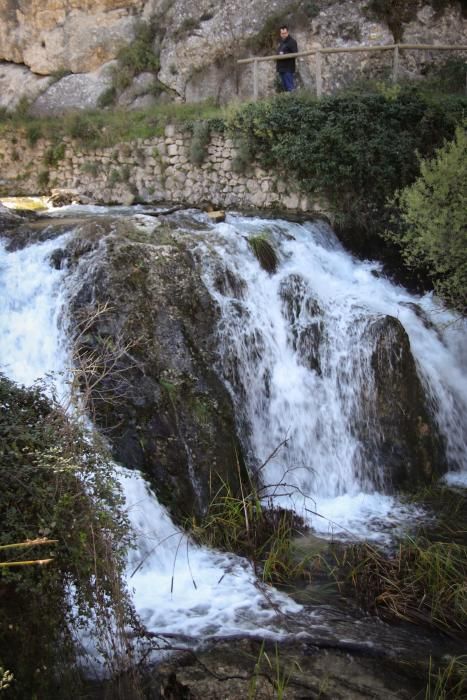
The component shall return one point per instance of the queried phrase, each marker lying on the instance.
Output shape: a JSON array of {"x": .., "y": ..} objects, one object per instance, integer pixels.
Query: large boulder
[
  {"x": 143, "y": 324},
  {"x": 18, "y": 82},
  {"x": 74, "y": 92},
  {"x": 397, "y": 427},
  {"x": 54, "y": 35}
]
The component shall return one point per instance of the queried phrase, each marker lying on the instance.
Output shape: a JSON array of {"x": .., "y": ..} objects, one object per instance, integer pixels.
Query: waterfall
[
  {"x": 295, "y": 353},
  {"x": 178, "y": 587}
]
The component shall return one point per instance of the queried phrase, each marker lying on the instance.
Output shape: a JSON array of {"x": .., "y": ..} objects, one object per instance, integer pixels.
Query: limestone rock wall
[
  {"x": 156, "y": 169},
  {"x": 75, "y": 35},
  {"x": 198, "y": 44}
]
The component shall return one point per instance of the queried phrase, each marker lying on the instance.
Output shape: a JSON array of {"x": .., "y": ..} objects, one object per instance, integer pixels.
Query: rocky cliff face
[
  {"x": 143, "y": 327},
  {"x": 198, "y": 45},
  {"x": 74, "y": 35}
]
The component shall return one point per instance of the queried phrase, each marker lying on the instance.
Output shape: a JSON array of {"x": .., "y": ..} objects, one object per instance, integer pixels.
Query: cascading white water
[
  {"x": 270, "y": 360},
  {"x": 178, "y": 587},
  {"x": 286, "y": 384}
]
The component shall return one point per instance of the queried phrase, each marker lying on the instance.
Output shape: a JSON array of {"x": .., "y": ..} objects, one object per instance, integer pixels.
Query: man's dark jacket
[{"x": 287, "y": 45}]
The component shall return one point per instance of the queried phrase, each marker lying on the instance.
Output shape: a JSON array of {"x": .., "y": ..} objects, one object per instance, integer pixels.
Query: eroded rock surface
[
  {"x": 198, "y": 45},
  {"x": 143, "y": 325},
  {"x": 399, "y": 433}
]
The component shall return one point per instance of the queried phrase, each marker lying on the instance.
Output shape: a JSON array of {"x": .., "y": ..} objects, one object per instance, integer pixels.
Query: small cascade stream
[
  {"x": 294, "y": 353},
  {"x": 178, "y": 587}
]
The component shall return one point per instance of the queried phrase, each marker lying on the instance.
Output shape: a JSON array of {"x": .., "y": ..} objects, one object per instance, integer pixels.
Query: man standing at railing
[{"x": 286, "y": 67}]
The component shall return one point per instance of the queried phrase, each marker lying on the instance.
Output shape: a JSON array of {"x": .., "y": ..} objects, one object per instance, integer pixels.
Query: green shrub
[
  {"x": 187, "y": 26},
  {"x": 54, "y": 154},
  {"x": 91, "y": 168},
  {"x": 56, "y": 484},
  {"x": 354, "y": 150},
  {"x": 22, "y": 108},
  {"x": 33, "y": 133},
  {"x": 199, "y": 142},
  {"x": 82, "y": 128},
  {"x": 114, "y": 177},
  {"x": 433, "y": 210},
  {"x": 139, "y": 56},
  {"x": 108, "y": 97},
  {"x": 448, "y": 77},
  {"x": 242, "y": 157}
]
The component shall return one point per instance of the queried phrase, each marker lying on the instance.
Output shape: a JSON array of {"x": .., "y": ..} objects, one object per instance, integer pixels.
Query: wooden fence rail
[{"x": 322, "y": 51}]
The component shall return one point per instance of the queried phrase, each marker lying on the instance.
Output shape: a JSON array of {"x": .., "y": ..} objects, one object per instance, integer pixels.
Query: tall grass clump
[
  {"x": 421, "y": 582},
  {"x": 447, "y": 681},
  {"x": 244, "y": 525}
]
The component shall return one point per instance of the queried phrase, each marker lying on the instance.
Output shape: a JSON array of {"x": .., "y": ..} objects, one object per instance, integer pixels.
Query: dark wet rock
[
  {"x": 321, "y": 667},
  {"x": 422, "y": 315},
  {"x": 143, "y": 316},
  {"x": 9, "y": 221},
  {"x": 305, "y": 318},
  {"x": 57, "y": 258},
  {"x": 228, "y": 284},
  {"x": 398, "y": 430},
  {"x": 22, "y": 227}
]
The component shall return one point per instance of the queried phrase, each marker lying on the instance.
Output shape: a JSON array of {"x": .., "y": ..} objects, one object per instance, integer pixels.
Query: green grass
[
  {"x": 448, "y": 681},
  {"x": 244, "y": 525},
  {"x": 422, "y": 582},
  {"x": 100, "y": 129}
]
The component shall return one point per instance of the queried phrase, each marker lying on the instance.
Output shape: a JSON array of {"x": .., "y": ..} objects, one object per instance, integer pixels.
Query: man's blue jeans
[{"x": 287, "y": 81}]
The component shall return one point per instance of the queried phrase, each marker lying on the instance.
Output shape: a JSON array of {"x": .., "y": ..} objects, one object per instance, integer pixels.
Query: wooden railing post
[
  {"x": 395, "y": 66},
  {"x": 325, "y": 50},
  {"x": 255, "y": 80},
  {"x": 319, "y": 78}
]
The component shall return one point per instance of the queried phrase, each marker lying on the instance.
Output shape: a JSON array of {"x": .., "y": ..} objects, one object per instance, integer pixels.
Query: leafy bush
[
  {"x": 139, "y": 56},
  {"x": 80, "y": 127},
  {"x": 242, "y": 158},
  {"x": 199, "y": 142},
  {"x": 355, "y": 150},
  {"x": 54, "y": 154},
  {"x": 57, "y": 485},
  {"x": 108, "y": 97},
  {"x": 433, "y": 211},
  {"x": 33, "y": 133},
  {"x": 448, "y": 77}
]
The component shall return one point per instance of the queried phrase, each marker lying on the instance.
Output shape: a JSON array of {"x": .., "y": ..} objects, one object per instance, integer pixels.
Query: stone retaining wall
[{"x": 152, "y": 170}]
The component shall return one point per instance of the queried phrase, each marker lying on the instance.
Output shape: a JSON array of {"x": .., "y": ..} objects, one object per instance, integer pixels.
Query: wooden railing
[{"x": 319, "y": 52}]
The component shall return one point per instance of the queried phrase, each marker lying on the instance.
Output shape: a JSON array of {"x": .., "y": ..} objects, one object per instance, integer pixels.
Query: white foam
[
  {"x": 279, "y": 395},
  {"x": 182, "y": 588}
]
